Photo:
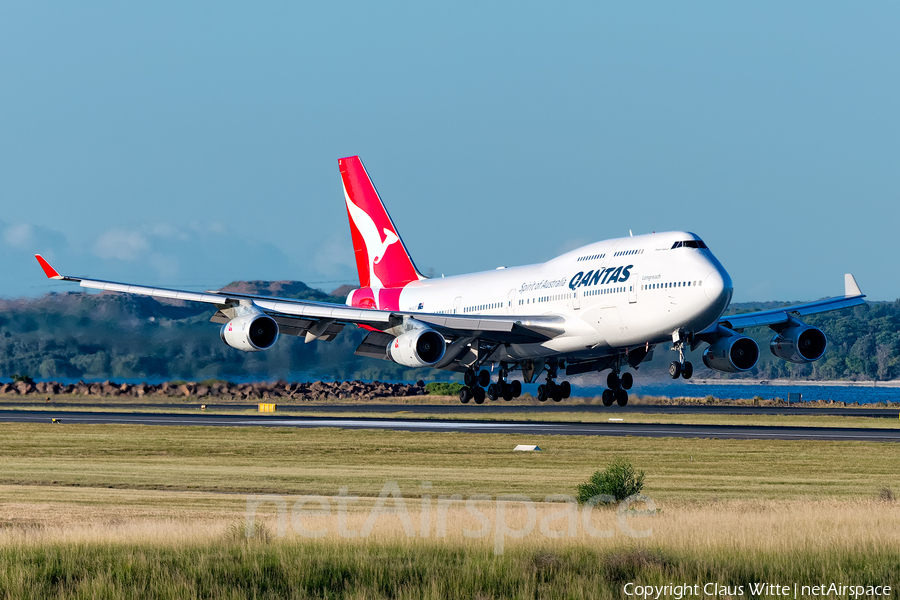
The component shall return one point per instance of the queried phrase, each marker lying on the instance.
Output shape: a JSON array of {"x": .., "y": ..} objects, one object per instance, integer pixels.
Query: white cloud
[
  {"x": 335, "y": 253},
  {"x": 166, "y": 265},
  {"x": 121, "y": 245},
  {"x": 19, "y": 236},
  {"x": 183, "y": 256},
  {"x": 217, "y": 227}
]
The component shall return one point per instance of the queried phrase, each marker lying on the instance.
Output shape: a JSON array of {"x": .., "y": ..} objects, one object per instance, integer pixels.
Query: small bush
[
  {"x": 619, "y": 480},
  {"x": 886, "y": 495},
  {"x": 443, "y": 388}
]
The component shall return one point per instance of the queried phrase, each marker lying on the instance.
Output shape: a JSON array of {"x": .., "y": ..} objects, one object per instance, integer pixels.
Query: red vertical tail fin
[{"x": 381, "y": 258}]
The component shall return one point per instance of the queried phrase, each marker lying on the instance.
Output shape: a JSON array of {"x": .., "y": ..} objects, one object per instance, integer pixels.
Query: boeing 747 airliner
[{"x": 604, "y": 306}]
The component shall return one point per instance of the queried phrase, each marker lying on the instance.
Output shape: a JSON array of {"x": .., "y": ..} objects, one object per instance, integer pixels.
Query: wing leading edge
[
  {"x": 302, "y": 316},
  {"x": 853, "y": 296}
]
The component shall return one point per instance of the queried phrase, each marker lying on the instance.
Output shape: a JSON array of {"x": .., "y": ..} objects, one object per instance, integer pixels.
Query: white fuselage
[{"x": 613, "y": 294}]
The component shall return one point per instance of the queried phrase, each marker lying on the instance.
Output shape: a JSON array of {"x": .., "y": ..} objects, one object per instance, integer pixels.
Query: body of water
[{"x": 810, "y": 393}]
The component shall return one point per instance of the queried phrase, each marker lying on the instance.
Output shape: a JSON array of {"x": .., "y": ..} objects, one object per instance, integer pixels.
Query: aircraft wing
[
  {"x": 323, "y": 320},
  {"x": 853, "y": 296}
]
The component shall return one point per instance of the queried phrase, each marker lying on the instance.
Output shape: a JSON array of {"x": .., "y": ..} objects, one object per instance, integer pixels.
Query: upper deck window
[{"x": 689, "y": 244}]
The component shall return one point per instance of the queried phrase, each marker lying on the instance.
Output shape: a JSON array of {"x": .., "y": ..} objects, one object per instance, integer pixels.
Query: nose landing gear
[{"x": 680, "y": 367}]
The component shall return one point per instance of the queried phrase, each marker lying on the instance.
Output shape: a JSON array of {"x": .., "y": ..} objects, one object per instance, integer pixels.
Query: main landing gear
[
  {"x": 680, "y": 367},
  {"x": 475, "y": 384},
  {"x": 616, "y": 389},
  {"x": 551, "y": 389},
  {"x": 504, "y": 389}
]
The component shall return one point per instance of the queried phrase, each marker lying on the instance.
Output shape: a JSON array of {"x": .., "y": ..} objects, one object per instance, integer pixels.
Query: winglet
[
  {"x": 851, "y": 288},
  {"x": 48, "y": 270}
]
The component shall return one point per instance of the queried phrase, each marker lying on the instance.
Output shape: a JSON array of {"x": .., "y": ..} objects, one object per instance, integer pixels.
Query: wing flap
[
  {"x": 510, "y": 329},
  {"x": 375, "y": 345}
]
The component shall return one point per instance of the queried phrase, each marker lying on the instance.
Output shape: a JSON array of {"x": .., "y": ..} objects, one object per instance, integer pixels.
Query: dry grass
[
  {"x": 93, "y": 515},
  {"x": 124, "y": 551}
]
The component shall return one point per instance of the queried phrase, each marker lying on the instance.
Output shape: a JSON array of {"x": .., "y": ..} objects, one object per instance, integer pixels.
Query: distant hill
[
  {"x": 75, "y": 335},
  {"x": 286, "y": 289}
]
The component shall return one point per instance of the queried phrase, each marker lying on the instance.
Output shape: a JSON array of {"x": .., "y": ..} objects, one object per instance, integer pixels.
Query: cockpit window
[{"x": 689, "y": 244}]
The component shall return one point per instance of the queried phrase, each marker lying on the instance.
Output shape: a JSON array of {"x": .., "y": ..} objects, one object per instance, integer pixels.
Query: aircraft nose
[{"x": 718, "y": 287}]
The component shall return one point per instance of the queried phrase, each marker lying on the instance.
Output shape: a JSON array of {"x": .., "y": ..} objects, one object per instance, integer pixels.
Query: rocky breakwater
[{"x": 315, "y": 390}]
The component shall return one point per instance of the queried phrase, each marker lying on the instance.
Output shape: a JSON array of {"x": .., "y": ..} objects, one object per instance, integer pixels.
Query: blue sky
[{"x": 191, "y": 144}]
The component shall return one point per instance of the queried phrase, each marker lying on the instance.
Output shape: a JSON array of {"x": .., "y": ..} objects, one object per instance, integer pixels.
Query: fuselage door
[
  {"x": 511, "y": 302},
  {"x": 456, "y": 303},
  {"x": 633, "y": 283}
]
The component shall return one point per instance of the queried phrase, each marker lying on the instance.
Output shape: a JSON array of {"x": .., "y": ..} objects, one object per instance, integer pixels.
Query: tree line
[{"x": 79, "y": 335}]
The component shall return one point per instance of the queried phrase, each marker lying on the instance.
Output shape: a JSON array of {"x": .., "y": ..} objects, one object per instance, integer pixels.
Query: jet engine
[
  {"x": 422, "y": 347},
  {"x": 250, "y": 332},
  {"x": 732, "y": 354},
  {"x": 799, "y": 344}
]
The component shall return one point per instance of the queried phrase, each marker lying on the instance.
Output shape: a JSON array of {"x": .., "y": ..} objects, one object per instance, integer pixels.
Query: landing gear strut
[
  {"x": 680, "y": 367},
  {"x": 551, "y": 389}
]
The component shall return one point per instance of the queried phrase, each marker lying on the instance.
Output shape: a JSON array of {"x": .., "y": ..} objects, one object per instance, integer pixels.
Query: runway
[
  {"x": 461, "y": 425},
  {"x": 500, "y": 408}
]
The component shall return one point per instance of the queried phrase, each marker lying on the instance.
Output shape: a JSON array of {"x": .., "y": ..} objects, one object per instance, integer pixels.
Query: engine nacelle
[
  {"x": 417, "y": 348},
  {"x": 250, "y": 333},
  {"x": 799, "y": 344},
  {"x": 732, "y": 354}
]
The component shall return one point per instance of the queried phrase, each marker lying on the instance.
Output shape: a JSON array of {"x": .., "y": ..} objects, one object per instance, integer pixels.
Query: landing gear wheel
[
  {"x": 542, "y": 393},
  {"x": 478, "y": 395},
  {"x": 492, "y": 392},
  {"x": 627, "y": 381},
  {"x": 465, "y": 394},
  {"x": 687, "y": 370},
  {"x": 612, "y": 381},
  {"x": 556, "y": 392},
  {"x": 674, "y": 370},
  {"x": 516, "y": 387},
  {"x": 566, "y": 388},
  {"x": 621, "y": 397},
  {"x": 608, "y": 397},
  {"x": 484, "y": 378},
  {"x": 507, "y": 392},
  {"x": 469, "y": 378}
]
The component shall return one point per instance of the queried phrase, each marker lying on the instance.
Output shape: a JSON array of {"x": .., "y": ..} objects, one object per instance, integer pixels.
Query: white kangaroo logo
[{"x": 375, "y": 247}]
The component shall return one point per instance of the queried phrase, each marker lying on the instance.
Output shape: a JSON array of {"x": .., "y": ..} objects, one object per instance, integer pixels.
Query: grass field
[
  {"x": 122, "y": 511},
  {"x": 315, "y": 461}
]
